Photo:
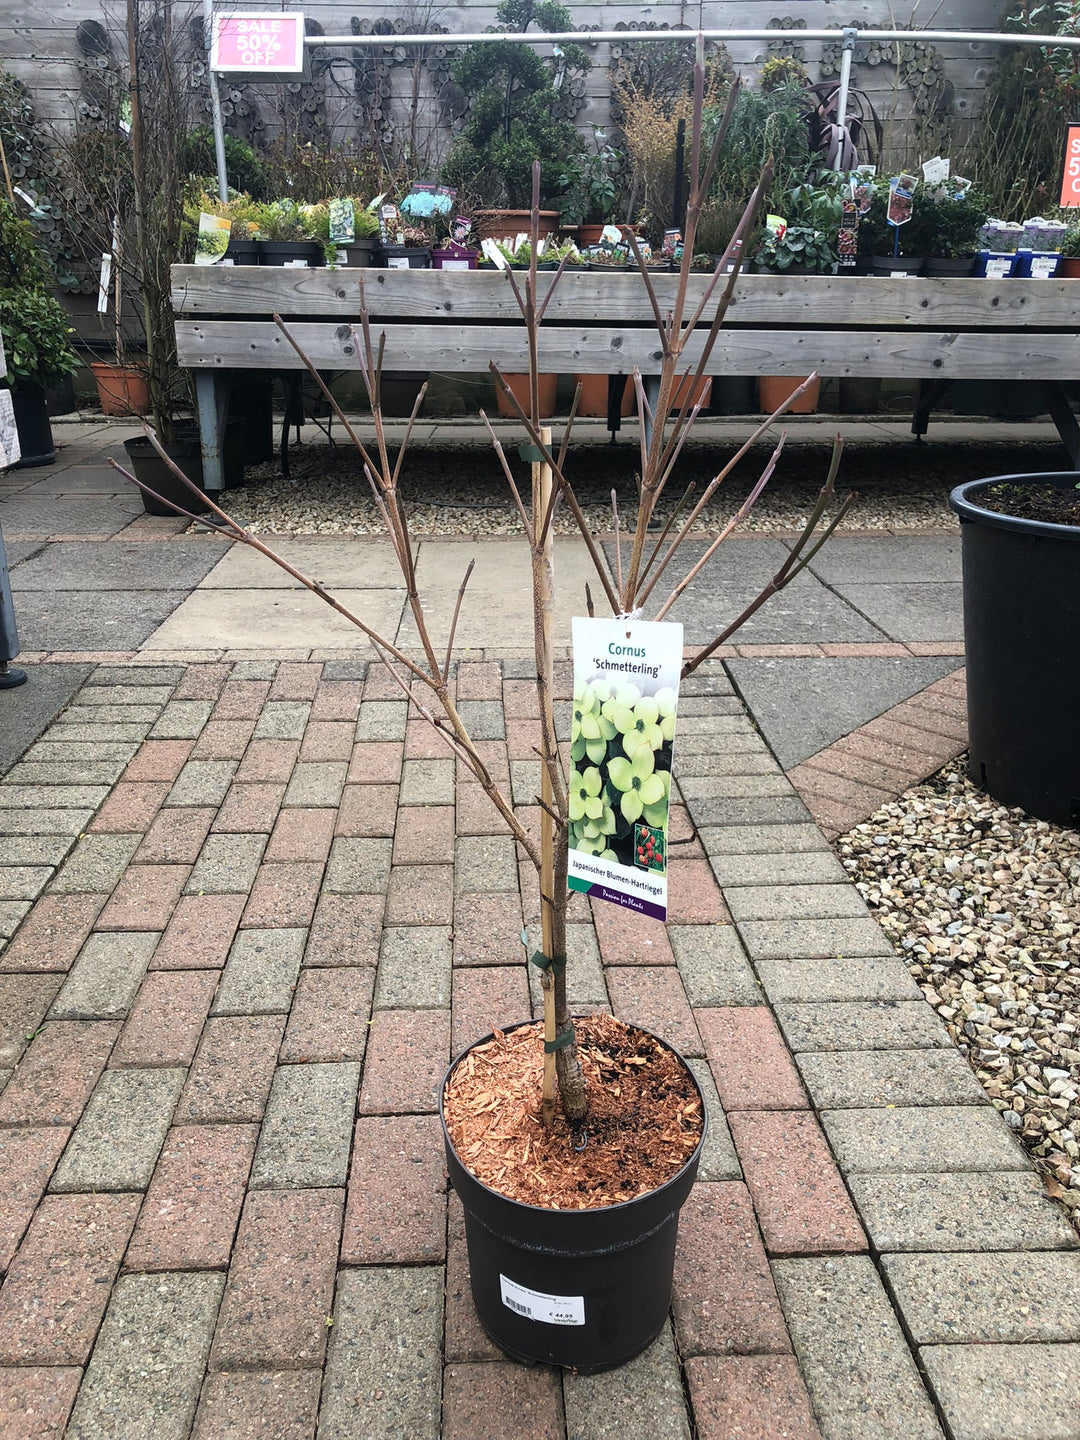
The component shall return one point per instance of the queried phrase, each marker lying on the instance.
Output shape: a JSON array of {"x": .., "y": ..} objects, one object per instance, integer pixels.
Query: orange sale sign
[{"x": 1070, "y": 181}]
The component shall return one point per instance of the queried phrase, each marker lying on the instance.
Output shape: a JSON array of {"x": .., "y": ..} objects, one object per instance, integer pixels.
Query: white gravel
[
  {"x": 984, "y": 904},
  {"x": 464, "y": 492}
]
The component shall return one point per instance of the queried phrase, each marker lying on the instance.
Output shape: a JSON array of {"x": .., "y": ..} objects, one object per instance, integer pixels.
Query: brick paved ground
[{"x": 251, "y": 913}]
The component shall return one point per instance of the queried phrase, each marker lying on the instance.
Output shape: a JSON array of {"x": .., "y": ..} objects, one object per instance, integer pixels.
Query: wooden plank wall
[{"x": 37, "y": 38}]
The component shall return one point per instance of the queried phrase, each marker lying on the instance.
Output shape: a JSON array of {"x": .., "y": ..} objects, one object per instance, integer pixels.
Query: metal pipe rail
[{"x": 578, "y": 37}]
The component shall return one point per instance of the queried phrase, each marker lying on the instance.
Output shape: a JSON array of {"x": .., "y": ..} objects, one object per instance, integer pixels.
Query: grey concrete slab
[
  {"x": 386, "y": 1341},
  {"x": 805, "y": 612},
  {"x": 810, "y": 868},
  {"x": 144, "y": 1376},
  {"x": 337, "y": 562},
  {"x": 105, "y": 620},
  {"x": 804, "y": 704},
  {"x": 106, "y": 976},
  {"x": 718, "y": 1158},
  {"x": 69, "y": 515},
  {"x": 811, "y": 939},
  {"x": 119, "y": 565},
  {"x": 28, "y": 710},
  {"x": 912, "y": 611},
  {"x": 843, "y": 1079},
  {"x": 763, "y": 839},
  {"x": 873, "y": 1025},
  {"x": 792, "y": 901},
  {"x": 852, "y": 1352},
  {"x": 1005, "y": 1297},
  {"x": 643, "y": 1397},
  {"x": 415, "y": 968},
  {"x": 273, "y": 620},
  {"x": 713, "y": 966},
  {"x": 888, "y": 559},
  {"x": 115, "y": 1145},
  {"x": 260, "y": 974},
  {"x": 305, "y": 1137},
  {"x": 19, "y": 550},
  {"x": 929, "y": 1140},
  {"x": 1022, "y": 1392},
  {"x": 944, "y": 1212}
]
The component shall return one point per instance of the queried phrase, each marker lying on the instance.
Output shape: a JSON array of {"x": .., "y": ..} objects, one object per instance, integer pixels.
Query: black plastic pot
[
  {"x": 1022, "y": 638},
  {"x": 897, "y": 265},
  {"x": 291, "y": 252},
  {"x": 940, "y": 268},
  {"x": 362, "y": 254},
  {"x": 404, "y": 257},
  {"x": 609, "y": 1270},
  {"x": 148, "y": 467},
  {"x": 32, "y": 422},
  {"x": 398, "y": 390},
  {"x": 243, "y": 252}
]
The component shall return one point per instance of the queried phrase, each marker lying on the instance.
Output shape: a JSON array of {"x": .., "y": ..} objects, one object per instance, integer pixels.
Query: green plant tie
[
  {"x": 563, "y": 1038},
  {"x": 532, "y": 453},
  {"x": 555, "y": 963}
]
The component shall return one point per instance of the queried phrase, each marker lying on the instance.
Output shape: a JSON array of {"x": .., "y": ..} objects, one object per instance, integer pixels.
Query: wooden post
[{"x": 544, "y": 587}]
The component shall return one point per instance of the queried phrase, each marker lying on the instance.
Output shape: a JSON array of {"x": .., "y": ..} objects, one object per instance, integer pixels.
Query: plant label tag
[
  {"x": 534, "y": 1305},
  {"x": 626, "y": 693}
]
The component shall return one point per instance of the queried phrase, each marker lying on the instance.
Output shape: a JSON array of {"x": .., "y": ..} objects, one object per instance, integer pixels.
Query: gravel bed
[
  {"x": 462, "y": 490},
  {"x": 984, "y": 903}
]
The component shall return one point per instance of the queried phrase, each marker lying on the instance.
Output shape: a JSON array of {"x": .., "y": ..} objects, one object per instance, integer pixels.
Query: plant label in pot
[{"x": 622, "y": 729}]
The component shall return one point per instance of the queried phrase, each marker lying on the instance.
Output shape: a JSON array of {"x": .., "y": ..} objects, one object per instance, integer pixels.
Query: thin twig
[{"x": 453, "y": 622}]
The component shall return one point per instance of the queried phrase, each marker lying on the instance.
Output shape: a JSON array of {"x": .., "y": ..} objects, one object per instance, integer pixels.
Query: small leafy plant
[
  {"x": 36, "y": 344},
  {"x": 591, "y": 183},
  {"x": 798, "y": 248}
]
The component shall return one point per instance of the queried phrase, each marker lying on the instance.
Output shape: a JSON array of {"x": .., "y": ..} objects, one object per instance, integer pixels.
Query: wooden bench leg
[
  {"x": 212, "y": 397},
  {"x": 1062, "y": 415}
]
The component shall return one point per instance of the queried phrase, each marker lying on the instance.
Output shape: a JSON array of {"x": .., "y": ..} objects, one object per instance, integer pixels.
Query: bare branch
[
  {"x": 453, "y": 622},
  {"x": 497, "y": 444}
]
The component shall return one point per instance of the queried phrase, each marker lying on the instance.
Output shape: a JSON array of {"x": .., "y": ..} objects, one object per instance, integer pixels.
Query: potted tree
[
  {"x": 513, "y": 120},
  {"x": 1021, "y": 552},
  {"x": 582, "y": 1277},
  {"x": 35, "y": 332}
]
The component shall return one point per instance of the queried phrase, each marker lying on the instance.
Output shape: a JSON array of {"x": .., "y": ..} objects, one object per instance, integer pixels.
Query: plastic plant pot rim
[
  {"x": 970, "y": 512},
  {"x": 622, "y": 1205}
]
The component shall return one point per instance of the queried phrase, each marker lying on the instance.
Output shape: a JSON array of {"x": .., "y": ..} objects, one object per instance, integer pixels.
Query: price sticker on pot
[
  {"x": 626, "y": 693},
  {"x": 1070, "y": 181},
  {"x": 535, "y": 1305}
]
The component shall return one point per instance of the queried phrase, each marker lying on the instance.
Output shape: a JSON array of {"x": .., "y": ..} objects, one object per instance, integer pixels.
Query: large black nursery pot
[
  {"x": 1022, "y": 637},
  {"x": 31, "y": 408},
  {"x": 148, "y": 467},
  {"x": 585, "y": 1289}
]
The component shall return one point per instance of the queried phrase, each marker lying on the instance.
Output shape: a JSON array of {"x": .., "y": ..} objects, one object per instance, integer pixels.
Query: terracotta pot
[
  {"x": 773, "y": 390},
  {"x": 702, "y": 392},
  {"x": 589, "y": 234},
  {"x": 594, "y": 393},
  {"x": 519, "y": 384},
  {"x": 497, "y": 224},
  {"x": 1069, "y": 269},
  {"x": 122, "y": 389}
]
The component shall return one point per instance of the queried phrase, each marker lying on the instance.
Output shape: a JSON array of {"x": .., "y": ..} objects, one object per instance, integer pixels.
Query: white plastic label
[
  {"x": 397, "y": 262},
  {"x": 551, "y": 1309}
]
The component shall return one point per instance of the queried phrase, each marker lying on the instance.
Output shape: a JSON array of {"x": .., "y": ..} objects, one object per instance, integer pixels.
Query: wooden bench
[{"x": 457, "y": 321}]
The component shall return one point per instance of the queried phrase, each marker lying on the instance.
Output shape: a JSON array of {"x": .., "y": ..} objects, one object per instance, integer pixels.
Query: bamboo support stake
[{"x": 544, "y": 578}]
